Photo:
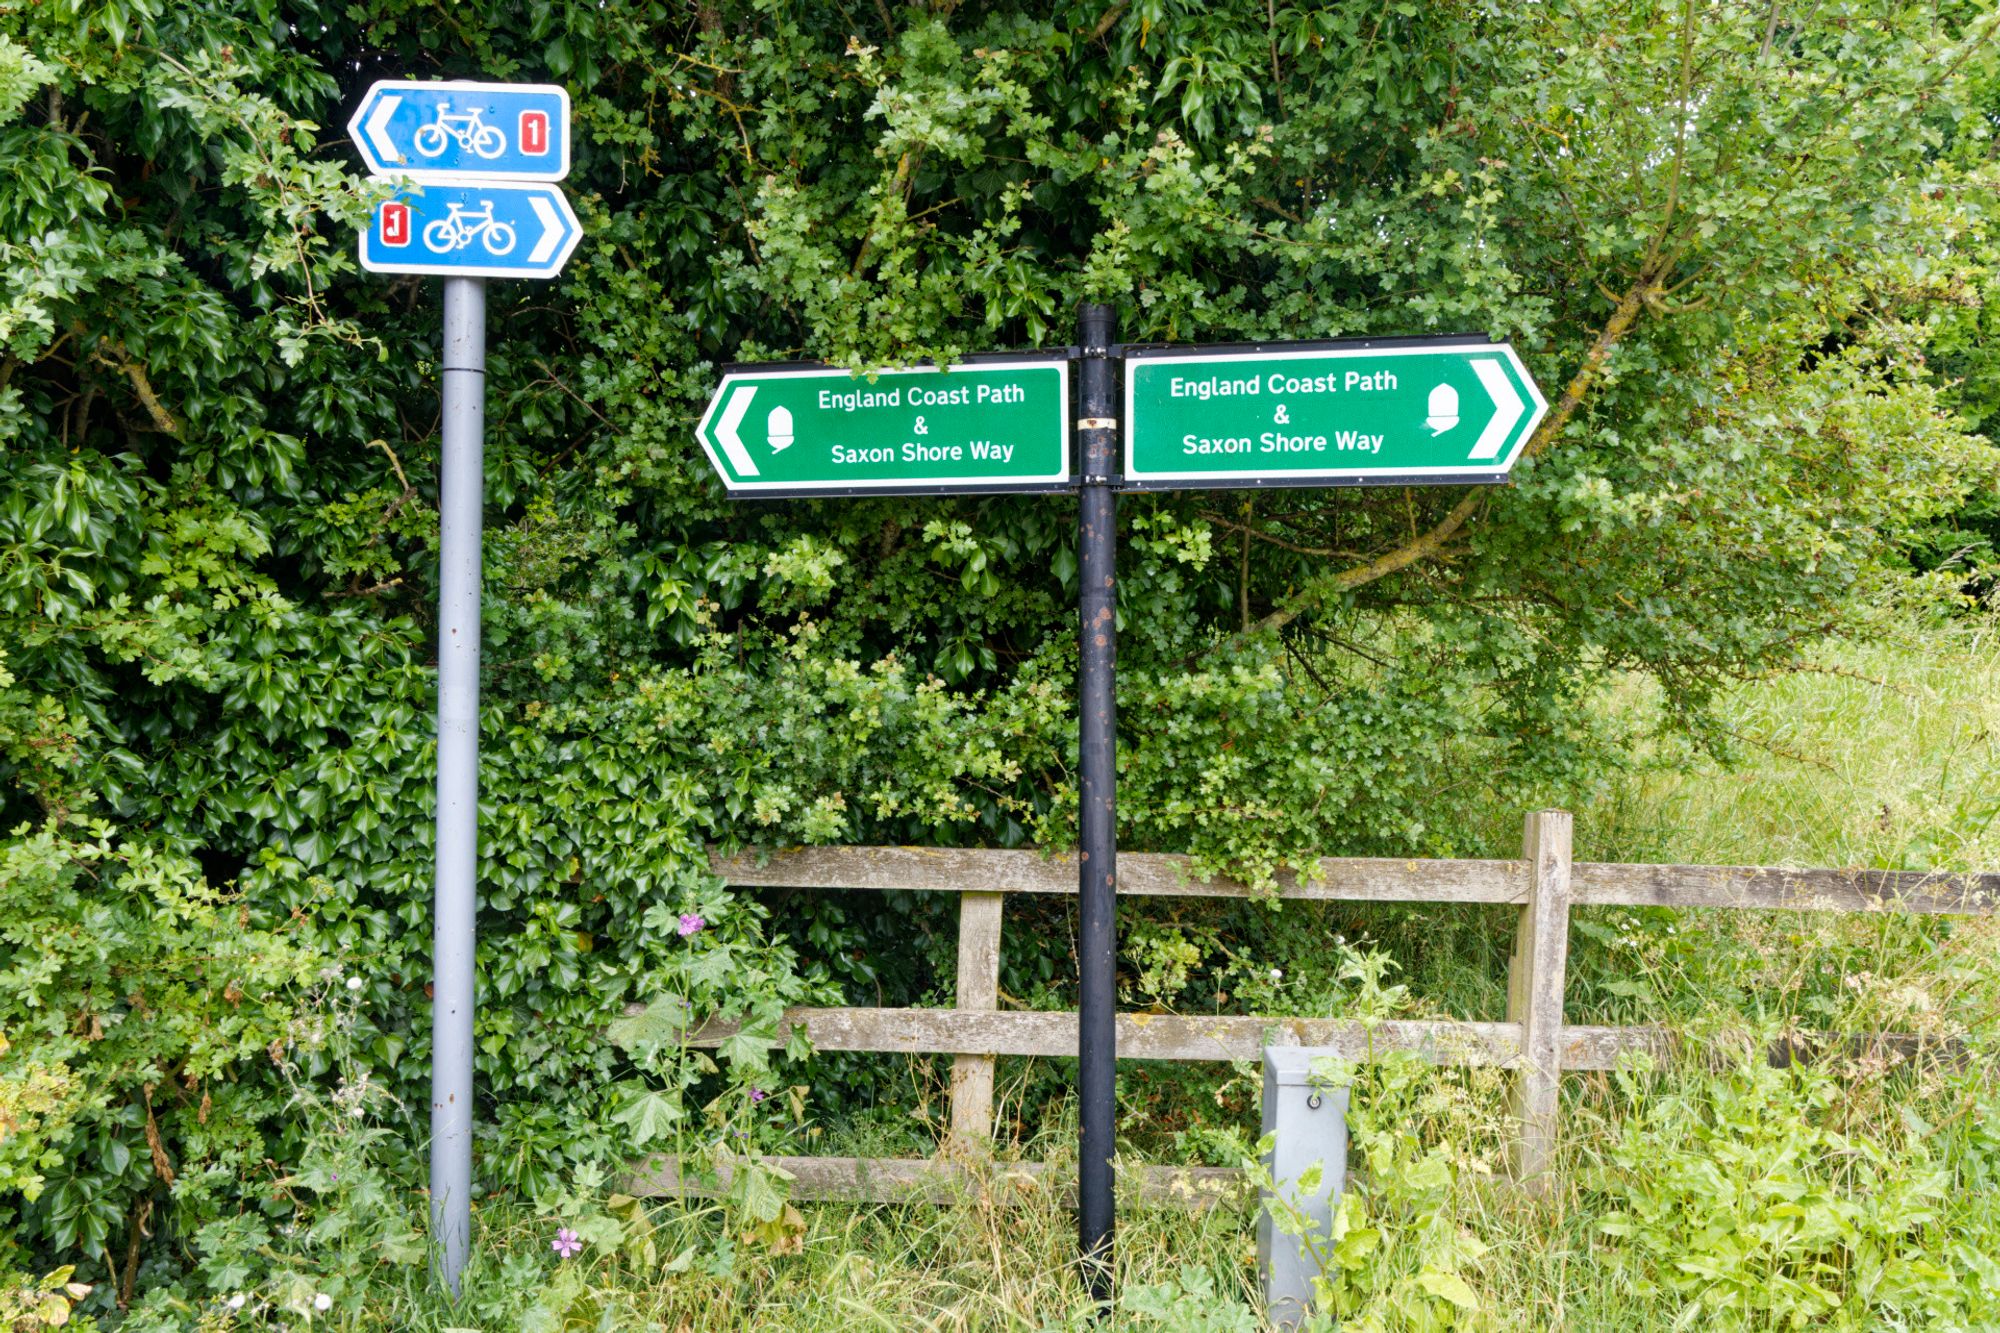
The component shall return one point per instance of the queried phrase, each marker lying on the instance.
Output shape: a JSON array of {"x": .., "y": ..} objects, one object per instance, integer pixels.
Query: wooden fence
[{"x": 1534, "y": 1043}]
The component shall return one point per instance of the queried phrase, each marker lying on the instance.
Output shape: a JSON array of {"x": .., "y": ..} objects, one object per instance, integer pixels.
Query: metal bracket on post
[
  {"x": 461, "y": 505},
  {"x": 1097, "y": 927}
]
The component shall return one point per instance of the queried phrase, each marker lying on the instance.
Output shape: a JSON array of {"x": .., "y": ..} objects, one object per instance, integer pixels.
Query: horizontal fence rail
[
  {"x": 1533, "y": 1044},
  {"x": 913, "y": 1180},
  {"x": 1377, "y": 879},
  {"x": 1181, "y": 1037}
]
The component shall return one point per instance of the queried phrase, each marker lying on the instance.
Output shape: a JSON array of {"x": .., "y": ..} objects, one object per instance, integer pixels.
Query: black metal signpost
[
  {"x": 1097, "y": 794},
  {"x": 1409, "y": 411}
]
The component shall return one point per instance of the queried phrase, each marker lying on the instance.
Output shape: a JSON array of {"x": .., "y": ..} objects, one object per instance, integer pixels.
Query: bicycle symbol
[
  {"x": 474, "y": 135},
  {"x": 458, "y": 229}
]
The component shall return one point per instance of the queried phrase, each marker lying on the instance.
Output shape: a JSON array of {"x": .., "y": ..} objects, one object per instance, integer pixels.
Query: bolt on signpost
[
  {"x": 1404, "y": 411},
  {"x": 471, "y": 162}
]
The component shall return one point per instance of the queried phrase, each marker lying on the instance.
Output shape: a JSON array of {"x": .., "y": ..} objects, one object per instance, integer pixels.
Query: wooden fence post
[
  {"x": 1535, "y": 994},
  {"x": 978, "y": 990}
]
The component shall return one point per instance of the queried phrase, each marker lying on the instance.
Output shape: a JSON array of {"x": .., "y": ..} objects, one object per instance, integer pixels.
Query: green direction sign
[
  {"x": 1326, "y": 414},
  {"x": 986, "y": 424}
]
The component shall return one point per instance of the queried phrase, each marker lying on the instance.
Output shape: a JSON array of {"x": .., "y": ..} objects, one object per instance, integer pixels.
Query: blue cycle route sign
[
  {"x": 467, "y": 176},
  {"x": 456, "y": 131},
  {"x": 472, "y": 229}
]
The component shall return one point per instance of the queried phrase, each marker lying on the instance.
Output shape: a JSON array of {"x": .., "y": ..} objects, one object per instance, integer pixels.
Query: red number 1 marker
[
  {"x": 535, "y": 133},
  {"x": 395, "y": 224}
]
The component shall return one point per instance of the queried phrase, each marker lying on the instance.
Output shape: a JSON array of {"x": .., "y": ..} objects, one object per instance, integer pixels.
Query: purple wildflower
[
  {"x": 567, "y": 1243},
  {"x": 758, "y": 1094},
  {"x": 691, "y": 923}
]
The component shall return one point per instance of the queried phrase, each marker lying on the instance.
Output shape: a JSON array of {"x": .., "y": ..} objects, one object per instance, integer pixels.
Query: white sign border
[
  {"x": 1060, "y": 364},
  {"x": 552, "y": 270},
  {"x": 356, "y": 132},
  {"x": 1539, "y": 408}
]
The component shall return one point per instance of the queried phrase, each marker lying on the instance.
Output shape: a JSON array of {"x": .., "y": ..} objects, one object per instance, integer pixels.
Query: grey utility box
[{"x": 1310, "y": 1125}]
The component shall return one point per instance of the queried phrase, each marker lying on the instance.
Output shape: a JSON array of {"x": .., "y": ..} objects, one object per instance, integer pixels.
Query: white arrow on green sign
[
  {"x": 990, "y": 424},
  {"x": 1326, "y": 414}
]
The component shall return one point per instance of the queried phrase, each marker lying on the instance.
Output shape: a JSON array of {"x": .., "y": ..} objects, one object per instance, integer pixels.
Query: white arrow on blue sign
[
  {"x": 447, "y": 131},
  {"x": 472, "y": 229}
]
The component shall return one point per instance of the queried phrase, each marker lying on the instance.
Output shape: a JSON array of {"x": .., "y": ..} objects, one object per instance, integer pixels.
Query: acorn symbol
[
  {"x": 1444, "y": 409},
  {"x": 779, "y": 427}
]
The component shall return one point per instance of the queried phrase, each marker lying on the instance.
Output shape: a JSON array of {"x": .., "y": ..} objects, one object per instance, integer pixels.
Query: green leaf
[
  {"x": 764, "y": 1192},
  {"x": 1449, "y": 1287},
  {"x": 651, "y": 1115},
  {"x": 661, "y": 1023}
]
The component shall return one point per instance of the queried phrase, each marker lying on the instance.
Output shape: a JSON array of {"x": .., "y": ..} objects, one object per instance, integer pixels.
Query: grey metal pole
[
  {"x": 1097, "y": 926},
  {"x": 461, "y": 500}
]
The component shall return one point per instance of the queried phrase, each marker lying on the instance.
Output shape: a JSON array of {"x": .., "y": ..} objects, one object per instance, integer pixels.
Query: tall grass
[
  {"x": 961, "y": 1266},
  {"x": 1884, "y": 755}
]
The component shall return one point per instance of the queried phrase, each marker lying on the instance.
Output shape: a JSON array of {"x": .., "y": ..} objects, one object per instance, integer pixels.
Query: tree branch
[
  {"x": 1277, "y": 77},
  {"x": 114, "y": 355},
  {"x": 387, "y": 585},
  {"x": 1645, "y": 289},
  {"x": 1380, "y": 567},
  {"x": 1278, "y": 208},
  {"x": 1652, "y": 263},
  {"x": 1279, "y": 542},
  {"x": 1243, "y": 565},
  {"x": 899, "y": 188},
  {"x": 1770, "y": 32}
]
